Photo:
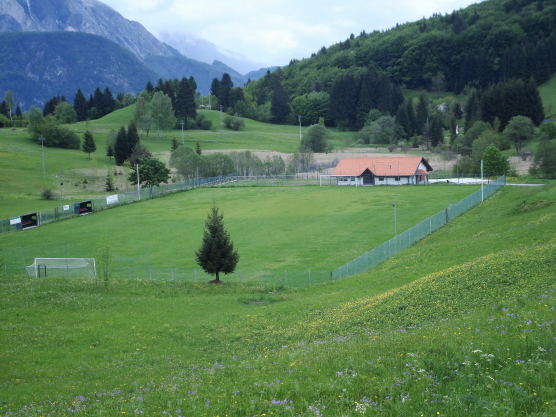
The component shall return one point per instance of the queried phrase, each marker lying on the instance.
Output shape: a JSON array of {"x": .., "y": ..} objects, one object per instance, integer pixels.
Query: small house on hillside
[{"x": 388, "y": 170}]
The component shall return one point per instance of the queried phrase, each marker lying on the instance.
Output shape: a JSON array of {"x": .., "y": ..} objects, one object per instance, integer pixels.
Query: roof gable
[{"x": 386, "y": 166}]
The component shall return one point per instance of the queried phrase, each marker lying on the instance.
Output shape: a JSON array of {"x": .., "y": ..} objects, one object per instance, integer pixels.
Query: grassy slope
[
  {"x": 292, "y": 228},
  {"x": 21, "y": 176},
  {"x": 334, "y": 345}
]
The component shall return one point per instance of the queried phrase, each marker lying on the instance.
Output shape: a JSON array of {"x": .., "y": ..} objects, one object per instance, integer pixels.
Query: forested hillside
[
  {"x": 476, "y": 47},
  {"x": 37, "y": 66}
]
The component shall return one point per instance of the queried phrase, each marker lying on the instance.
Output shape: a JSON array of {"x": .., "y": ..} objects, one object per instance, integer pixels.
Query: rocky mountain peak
[{"x": 90, "y": 16}]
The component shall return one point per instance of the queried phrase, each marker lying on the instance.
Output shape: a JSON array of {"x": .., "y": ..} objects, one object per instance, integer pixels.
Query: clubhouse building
[{"x": 388, "y": 170}]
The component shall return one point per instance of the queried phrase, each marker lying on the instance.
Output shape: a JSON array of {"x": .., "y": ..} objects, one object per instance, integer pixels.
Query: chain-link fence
[
  {"x": 77, "y": 209},
  {"x": 122, "y": 268},
  {"x": 404, "y": 240}
]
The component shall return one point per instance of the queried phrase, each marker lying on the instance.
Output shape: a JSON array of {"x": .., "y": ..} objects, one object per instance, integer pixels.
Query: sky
[{"x": 275, "y": 31}]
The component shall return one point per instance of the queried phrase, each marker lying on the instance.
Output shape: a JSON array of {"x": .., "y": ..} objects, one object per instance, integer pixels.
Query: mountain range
[{"x": 42, "y": 68}]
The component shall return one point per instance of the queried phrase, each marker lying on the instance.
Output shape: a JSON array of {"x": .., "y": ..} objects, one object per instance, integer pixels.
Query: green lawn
[
  {"x": 460, "y": 324},
  {"x": 289, "y": 228}
]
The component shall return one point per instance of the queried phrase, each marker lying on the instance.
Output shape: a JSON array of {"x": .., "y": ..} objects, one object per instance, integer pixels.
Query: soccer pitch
[{"x": 289, "y": 228}]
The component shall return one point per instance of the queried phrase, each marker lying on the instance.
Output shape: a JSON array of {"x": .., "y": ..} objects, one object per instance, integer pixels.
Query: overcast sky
[{"x": 274, "y": 31}]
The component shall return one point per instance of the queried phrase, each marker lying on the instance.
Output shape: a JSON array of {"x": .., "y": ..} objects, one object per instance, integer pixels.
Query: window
[
  {"x": 381, "y": 178},
  {"x": 396, "y": 178}
]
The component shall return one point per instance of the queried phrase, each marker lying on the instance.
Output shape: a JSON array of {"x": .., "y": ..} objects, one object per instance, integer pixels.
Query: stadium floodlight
[{"x": 62, "y": 267}]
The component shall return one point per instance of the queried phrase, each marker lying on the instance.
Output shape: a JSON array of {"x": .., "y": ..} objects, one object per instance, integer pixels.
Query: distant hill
[
  {"x": 37, "y": 66},
  {"x": 202, "y": 50},
  {"x": 473, "y": 47}
]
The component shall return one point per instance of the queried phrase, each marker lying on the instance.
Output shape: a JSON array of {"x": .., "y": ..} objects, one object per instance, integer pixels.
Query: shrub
[{"x": 47, "y": 194}]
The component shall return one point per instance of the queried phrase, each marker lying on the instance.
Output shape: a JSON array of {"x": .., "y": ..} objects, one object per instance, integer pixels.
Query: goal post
[{"x": 62, "y": 267}]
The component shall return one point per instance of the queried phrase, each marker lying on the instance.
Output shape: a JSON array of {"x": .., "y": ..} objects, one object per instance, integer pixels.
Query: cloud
[{"x": 275, "y": 31}]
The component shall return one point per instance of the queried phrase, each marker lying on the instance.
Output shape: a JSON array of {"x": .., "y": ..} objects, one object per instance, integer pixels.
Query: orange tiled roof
[{"x": 386, "y": 166}]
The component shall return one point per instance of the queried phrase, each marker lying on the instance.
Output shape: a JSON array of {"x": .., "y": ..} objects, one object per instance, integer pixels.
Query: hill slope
[{"x": 37, "y": 66}]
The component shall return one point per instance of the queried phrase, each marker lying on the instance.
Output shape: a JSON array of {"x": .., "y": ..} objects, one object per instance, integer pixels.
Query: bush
[
  {"x": 47, "y": 194},
  {"x": 206, "y": 124}
]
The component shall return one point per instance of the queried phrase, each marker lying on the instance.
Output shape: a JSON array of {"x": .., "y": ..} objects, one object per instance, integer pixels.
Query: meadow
[{"x": 460, "y": 324}]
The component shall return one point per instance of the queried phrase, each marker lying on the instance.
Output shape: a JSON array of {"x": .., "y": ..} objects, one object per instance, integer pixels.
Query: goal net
[{"x": 62, "y": 267}]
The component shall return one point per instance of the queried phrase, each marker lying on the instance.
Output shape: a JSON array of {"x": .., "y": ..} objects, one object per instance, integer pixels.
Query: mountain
[
  {"x": 89, "y": 16},
  {"x": 37, "y": 66},
  {"x": 202, "y": 50},
  {"x": 72, "y": 17}
]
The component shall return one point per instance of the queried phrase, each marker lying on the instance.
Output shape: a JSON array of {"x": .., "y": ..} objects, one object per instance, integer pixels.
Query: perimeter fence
[
  {"x": 89, "y": 206},
  {"x": 293, "y": 279},
  {"x": 404, "y": 240}
]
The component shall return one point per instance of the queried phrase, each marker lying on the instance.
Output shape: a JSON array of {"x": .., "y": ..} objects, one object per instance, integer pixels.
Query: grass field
[
  {"x": 460, "y": 324},
  {"x": 289, "y": 228},
  {"x": 21, "y": 173}
]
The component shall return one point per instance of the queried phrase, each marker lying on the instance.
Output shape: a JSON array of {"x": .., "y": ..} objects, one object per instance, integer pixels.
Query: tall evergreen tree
[
  {"x": 80, "y": 106},
  {"x": 89, "y": 144},
  {"x": 149, "y": 88},
  {"x": 215, "y": 86},
  {"x": 185, "y": 101},
  {"x": 216, "y": 254},
  {"x": 120, "y": 147},
  {"x": 280, "y": 106},
  {"x": 226, "y": 85},
  {"x": 132, "y": 138},
  {"x": 108, "y": 102},
  {"x": 422, "y": 111}
]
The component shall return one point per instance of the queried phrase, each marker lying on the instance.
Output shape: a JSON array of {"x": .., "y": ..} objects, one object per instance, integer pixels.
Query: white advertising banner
[
  {"x": 15, "y": 220},
  {"x": 112, "y": 199}
]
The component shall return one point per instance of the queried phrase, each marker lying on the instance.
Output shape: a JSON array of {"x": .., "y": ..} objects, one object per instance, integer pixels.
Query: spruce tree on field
[
  {"x": 110, "y": 151},
  {"x": 216, "y": 254},
  {"x": 120, "y": 146},
  {"x": 132, "y": 138},
  {"x": 225, "y": 86},
  {"x": 422, "y": 112},
  {"x": 89, "y": 144},
  {"x": 174, "y": 144},
  {"x": 215, "y": 86},
  {"x": 98, "y": 100}
]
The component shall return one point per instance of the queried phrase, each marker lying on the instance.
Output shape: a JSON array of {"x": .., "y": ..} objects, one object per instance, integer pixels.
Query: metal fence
[
  {"x": 77, "y": 209},
  {"x": 404, "y": 240},
  {"x": 361, "y": 264}
]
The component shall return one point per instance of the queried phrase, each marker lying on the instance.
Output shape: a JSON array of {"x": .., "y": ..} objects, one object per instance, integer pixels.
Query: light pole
[
  {"x": 42, "y": 139},
  {"x": 138, "y": 184},
  {"x": 300, "y": 128},
  {"x": 395, "y": 225},
  {"x": 182, "y": 141}
]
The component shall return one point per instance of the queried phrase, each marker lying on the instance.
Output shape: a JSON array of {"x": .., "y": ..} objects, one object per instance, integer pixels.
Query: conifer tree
[
  {"x": 80, "y": 106},
  {"x": 89, "y": 144},
  {"x": 185, "y": 101},
  {"x": 216, "y": 254},
  {"x": 120, "y": 147},
  {"x": 110, "y": 151}
]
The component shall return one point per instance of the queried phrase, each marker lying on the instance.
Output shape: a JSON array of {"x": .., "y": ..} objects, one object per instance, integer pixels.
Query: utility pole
[
  {"x": 42, "y": 139},
  {"x": 221, "y": 125},
  {"x": 182, "y": 141},
  {"x": 300, "y": 128},
  {"x": 138, "y": 184}
]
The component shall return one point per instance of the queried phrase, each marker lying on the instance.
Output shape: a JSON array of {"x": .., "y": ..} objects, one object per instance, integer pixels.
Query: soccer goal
[{"x": 62, "y": 267}]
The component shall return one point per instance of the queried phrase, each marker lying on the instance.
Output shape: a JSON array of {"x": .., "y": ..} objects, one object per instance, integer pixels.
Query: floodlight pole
[
  {"x": 395, "y": 221},
  {"x": 300, "y": 128},
  {"x": 182, "y": 141},
  {"x": 42, "y": 139},
  {"x": 138, "y": 184}
]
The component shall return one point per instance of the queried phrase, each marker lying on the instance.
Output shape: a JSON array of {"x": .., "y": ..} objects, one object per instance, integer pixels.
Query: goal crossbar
[{"x": 62, "y": 267}]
